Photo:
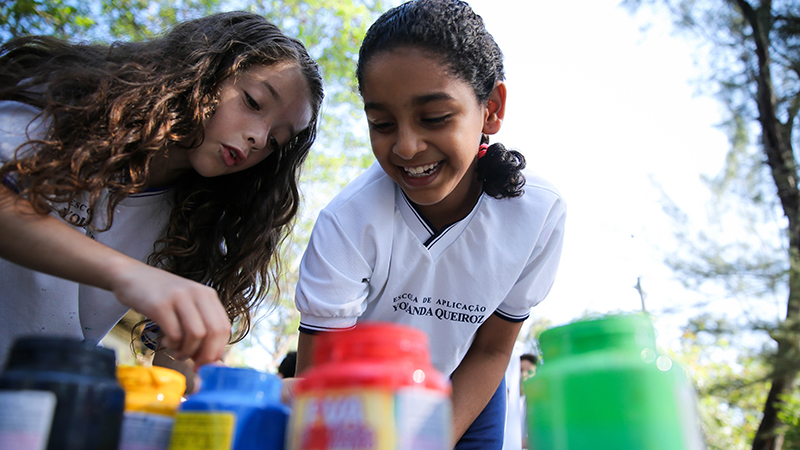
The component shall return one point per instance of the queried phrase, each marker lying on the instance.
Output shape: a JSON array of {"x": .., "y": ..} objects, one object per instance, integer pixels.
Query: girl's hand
[
  {"x": 190, "y": 314},
  {"x": 194, "y": 322}
]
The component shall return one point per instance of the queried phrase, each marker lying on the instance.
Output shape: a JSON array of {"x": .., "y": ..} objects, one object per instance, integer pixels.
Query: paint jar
[
  {"x": 58, "y": 393},
  {"x": 235, "y": 409},
  {"x": 152, "y": 397},
  {"x": 604, "y": 386},
  {"x": 371, "y": 387}
]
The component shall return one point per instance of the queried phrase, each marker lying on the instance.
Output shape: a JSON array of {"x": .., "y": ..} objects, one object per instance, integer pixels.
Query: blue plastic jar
[
  {"x": 235, "y": 409},
  {"x": 60, "y": 394}
]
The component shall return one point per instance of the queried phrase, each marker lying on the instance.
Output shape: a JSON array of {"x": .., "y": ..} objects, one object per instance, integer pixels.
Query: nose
[
  {"x": 258, "y": 134},
  {"x": 408, "y": 142}
]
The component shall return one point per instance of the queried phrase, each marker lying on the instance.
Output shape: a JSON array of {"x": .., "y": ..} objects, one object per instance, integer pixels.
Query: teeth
[
  {"x": 421, "y": 171},
  {"x": 233, "y": 154}
]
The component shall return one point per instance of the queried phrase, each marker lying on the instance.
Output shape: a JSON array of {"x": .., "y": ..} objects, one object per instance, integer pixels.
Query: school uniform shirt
[
  {"x": 35, "y": 303},
  {"x": 372, "y": 256}
]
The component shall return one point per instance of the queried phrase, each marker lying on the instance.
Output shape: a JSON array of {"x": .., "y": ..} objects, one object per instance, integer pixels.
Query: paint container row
[{"x": 372, "y": 387}]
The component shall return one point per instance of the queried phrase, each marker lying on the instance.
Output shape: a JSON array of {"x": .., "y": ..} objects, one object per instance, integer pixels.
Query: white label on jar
[
  {"x": 423, "y": 420},
  {"x": 143, "y": 431},
  {"x": 25, "y": 419}
]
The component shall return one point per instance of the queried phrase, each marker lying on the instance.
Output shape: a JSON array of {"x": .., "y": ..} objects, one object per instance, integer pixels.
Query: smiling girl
[
  {"x": 159, "y": 176},
  {"x": 445, "y": 233}
]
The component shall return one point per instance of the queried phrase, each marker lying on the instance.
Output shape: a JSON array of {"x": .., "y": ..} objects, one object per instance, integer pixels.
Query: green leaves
[
  {"x": 331, "y": 30},
  {"x": 61, "y": 18}
]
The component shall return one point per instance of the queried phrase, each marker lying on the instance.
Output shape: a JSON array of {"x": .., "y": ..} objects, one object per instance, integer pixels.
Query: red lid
[{"x": 375, "y": 354}]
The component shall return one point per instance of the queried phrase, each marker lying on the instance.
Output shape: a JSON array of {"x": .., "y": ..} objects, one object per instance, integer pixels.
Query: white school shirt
[
  {"x": 35, "y": 303},
  {"x": 372, "y": 257}
]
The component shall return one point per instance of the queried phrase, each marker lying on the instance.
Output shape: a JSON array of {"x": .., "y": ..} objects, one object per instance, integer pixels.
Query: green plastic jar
[{"x": 603, "y": 386}]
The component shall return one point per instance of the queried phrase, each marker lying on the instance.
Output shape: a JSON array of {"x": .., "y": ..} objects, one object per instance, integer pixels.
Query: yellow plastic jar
[{"x": 152, "y": 397}]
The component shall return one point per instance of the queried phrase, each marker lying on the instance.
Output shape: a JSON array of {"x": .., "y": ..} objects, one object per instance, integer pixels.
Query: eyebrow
[
  {"x": 271, "y": 89},
  {"x": 277, "y": 96},
  {"x": 416, "y": 101}
]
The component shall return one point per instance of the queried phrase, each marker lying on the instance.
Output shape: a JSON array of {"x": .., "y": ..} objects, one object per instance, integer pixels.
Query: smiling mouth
[{"x": 422, "y": 171}]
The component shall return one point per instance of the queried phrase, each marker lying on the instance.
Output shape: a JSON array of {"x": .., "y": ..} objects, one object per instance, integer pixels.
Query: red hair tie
[{"x": 482, "y": 150}]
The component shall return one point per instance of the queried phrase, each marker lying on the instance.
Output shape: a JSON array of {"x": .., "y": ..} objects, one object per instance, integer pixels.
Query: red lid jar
[{"x": 371, "y": 387}]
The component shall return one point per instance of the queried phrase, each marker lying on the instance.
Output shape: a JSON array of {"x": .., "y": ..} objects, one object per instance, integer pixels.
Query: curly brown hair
[{"x": 112, "y": 108}]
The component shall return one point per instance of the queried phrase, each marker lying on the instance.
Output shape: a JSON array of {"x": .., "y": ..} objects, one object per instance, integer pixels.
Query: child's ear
[{"x": 495, "y": 109}]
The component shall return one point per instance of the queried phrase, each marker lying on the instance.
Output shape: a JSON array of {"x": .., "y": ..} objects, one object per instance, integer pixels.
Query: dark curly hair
[
  {"x": 112, "y": 108},
  {"x": 452, "y": 31}
]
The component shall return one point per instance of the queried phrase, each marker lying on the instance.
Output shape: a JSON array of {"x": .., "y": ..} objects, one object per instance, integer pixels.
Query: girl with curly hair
[
  {"x": 159, "y": 176},
  {"x": 446, "y": 232}
]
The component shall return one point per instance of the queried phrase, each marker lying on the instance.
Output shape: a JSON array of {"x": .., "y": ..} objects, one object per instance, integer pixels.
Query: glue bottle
[
  {"x": 152, "y": 397},
  {"x": 235, "y": 409},
  {"x": 371, "y": 387},
  {"x": 604, "y": 386},
  {"x": 58, "y": 393}
]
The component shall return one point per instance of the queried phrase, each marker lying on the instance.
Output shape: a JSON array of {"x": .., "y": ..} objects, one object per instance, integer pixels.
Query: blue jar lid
[{"x": 243, "y": 380}]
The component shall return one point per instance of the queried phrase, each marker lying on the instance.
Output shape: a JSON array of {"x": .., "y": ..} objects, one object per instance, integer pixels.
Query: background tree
[
  {"x": 332, "y": 31},
  {"x": 731, "y": 389},
  {"x": 754, "y": 67}
]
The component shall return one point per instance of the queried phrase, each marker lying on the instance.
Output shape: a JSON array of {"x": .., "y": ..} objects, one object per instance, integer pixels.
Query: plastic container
[
  {"x": 603, "y": 386},
  {"x": 60, "y": 394},
  {"x": 235, "y": 409},
  {"x": 372, "y": 387},
  {"x": 152, "y": 397}
]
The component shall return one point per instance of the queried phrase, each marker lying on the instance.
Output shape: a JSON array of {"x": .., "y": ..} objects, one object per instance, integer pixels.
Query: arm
[
  {"x": 477, "y": 377},
  {"x": 305, "y": 349},
  {"x": 305, "y": 346},
  {"x": 190, "y": 314}
]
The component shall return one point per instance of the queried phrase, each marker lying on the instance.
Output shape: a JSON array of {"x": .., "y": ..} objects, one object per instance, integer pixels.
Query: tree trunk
[{"x": 780, "y": 158}]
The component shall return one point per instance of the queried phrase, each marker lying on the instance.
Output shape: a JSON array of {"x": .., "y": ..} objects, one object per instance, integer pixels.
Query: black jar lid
[{"x": 61, "y": 354}]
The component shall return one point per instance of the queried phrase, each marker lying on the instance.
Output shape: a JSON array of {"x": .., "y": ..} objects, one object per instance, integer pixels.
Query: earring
[{"x": 482, "y": 150}]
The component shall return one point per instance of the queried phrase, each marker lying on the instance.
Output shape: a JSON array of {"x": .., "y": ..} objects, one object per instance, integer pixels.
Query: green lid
[{"x": 623, "y": 333}]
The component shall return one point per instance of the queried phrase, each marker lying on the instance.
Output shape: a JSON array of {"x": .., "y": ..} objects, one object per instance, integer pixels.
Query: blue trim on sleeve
[
  {"x": 305, "y": 330},
  {"x": 10, "y": 182},
  {"x": 510, "y": 318},
  {"x": 312, "y": 330},
  {"x": 149, "y": 336}
]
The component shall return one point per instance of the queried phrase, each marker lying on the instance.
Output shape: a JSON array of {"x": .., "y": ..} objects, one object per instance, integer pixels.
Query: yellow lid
[{"x": 151, "y": 389}]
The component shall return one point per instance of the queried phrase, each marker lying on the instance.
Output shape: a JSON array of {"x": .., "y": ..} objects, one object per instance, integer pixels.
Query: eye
[
  {"x": 273, "y": 144},
  {"x": 251, "y": 102},
  {"x": 381, "y": 126},
  {"x": 433, "y": 121}
]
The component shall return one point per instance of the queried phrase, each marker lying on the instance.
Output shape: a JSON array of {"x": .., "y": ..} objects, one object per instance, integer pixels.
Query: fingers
[
  {"x": 206, "y": 329},
  {"x": 190, "y": 315},
  {"x": 169, "y": 324},
  {"x": 197, "y": 327}
]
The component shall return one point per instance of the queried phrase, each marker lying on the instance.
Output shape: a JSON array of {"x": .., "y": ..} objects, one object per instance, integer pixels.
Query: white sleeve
[
  {"x": 18, "y": 123},
  {"x": 537, "y": 277},
  {"x": 334, "y": 278}
]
